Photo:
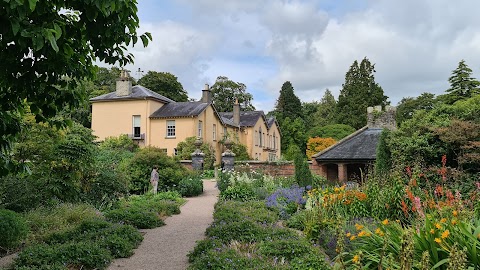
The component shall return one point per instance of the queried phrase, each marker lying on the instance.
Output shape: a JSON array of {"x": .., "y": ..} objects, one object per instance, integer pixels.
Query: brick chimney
[
  {"x": 206, "y": 94},
  {"x": 236, "y": 112},
  {"x": 378, "y": 118},
  {"x": 124, "y": 84}
]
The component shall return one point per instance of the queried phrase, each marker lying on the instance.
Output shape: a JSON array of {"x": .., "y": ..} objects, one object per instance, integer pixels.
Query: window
[
  {"x": 136, "y": 126},
  {"x": 214, "y": 132},
  {"x": 170, "y": 128},
  {"x": 256, "y": 137},
  {"x": 175, "y": 151},
  {"x": 200, "y": 124},
  {"x": 274, "y": 141},
  {"x": 224, "y": 132},
  {"x": 260, "y": 134}
]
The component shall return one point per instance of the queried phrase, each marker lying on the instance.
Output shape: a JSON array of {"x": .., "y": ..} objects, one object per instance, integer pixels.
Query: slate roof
[
  {"x": 247, "y": 119},
  {"x": 138, "y": 92},
  {"x": 270, "y": 121},
  {"x": 361, "y": 145},
  {"x": 180, "y": 109}
]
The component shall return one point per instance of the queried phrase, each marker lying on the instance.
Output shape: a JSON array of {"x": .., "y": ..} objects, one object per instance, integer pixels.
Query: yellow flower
[
  {"x": 362, "y": 233},
  {"x": 445, "y": 234},
  {"x": 432, "y": 231},
  {"x": 368, "y": 234},
  {"x": 385, "y": 222},
  {"x": 378, "y": 231},
  {"x": 352, "y": 237},
  {"x": 438, "y": 226},
  {"x": 438, "y": 240},
  {"x": 356, "y": 259},
  {"x": 349, "y": 234},
  {"x": 358, "y": 226},
  {"x": 443, "y": 220},
  {"x": 455, "y": 213},
  {"x": 454, "y": 222},
  {"x": 478, "y": 236}
]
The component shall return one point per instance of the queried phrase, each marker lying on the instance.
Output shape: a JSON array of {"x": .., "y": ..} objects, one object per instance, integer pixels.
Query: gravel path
[{"x": 167, "y": 247}]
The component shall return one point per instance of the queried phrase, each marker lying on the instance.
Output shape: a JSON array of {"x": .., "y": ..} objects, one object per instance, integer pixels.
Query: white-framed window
[
  {"x": 214, "y": 132},
  {"x": 136, "y": 126},
  {"x": 170, "y": 128},
  {"x": 200, "y": 125}
]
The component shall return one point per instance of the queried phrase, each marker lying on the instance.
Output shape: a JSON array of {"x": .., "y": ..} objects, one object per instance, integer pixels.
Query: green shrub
[
  {"x": 76, "y": 255},
  {"x": 243, "y": 231},
  {"x": 303, "y": 175},
  {"x": 44, "y": 221},
  {"x": 239, "y": 192},
  {"x": 288, "y": 249},
  {"x": 13, "y": 229},
  {"x": 297, "y": 220},
  {"x": 229, "y": 259},
  {"x": 187, "y": 147},
  {"x": 192, "y": 186},
  {"x": 208, "y": 174},
  {"x": 202, "y": 247},
  {"x": 311, "y": 260},
  {"x": 233, "y": 211},
  {"x": 135, "y": 216}
]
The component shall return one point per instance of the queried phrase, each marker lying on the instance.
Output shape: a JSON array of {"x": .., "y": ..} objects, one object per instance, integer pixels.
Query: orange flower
[
  {"x": 454, "y": 222},
  {"x": 443, "y": 220},
  {"x": 352, "y": 237},
  {"x": 438, "y": 240},
  {"x": 432, "y": 231},
  {"x": 356, "y": 259},
  {"x": 455, "y": 213},
  {"x": 362, "y": 233},
  {"x": 385, "y": 222},
  {"x": 438, "y": 226},
  {"x": 358, "y": 226},
  {"x": 445, "y": 234}
]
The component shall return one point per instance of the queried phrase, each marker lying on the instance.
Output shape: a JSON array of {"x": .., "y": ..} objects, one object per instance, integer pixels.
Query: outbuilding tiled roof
[
  {"x": 180, "y": 109},
  {"x": 138, "y": 92},
  {"x": 247, "y": 119},
  {"x": 361, "y": 145}
]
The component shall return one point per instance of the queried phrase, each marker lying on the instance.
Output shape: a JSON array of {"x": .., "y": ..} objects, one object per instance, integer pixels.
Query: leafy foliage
[
  {"x": 408, "y": 105},
  {"x": 359, "y": 92},
  {"x": 57, "y": 45},
  {"x": 293, "y": 133},
  {"x": 303, "y": 175},
  {"x": 225, "y": 92},
  {"x": 122, "y": 142},
  {"x": 315, "y": 145},
  {"x": 462, "y": 85},
  {"x": 165, "y": 84},
  {"x": 190, "y": 186},
  {"x": 335, "y": 131},
  {"x": 383, "y": 163},
  {"x": 187, "y": 147},
  {"x": 325, "y": 111},
  {"x": 13, "y": 229}
]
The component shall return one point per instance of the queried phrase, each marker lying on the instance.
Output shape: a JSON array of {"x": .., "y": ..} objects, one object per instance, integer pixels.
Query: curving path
[{"x": 167, "y": 247}]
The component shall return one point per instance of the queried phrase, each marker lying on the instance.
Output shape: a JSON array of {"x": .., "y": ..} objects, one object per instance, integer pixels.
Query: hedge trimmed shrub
[
  {"x": 191, "y": 186},
  {"x": 13, "y": 229}
]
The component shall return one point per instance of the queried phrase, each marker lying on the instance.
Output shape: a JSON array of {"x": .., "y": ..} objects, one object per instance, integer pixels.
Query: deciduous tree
[
  {"x": 408, "y": 105},
  {"x": 164, "y": 83},
  {"x": 359, "y": 92},
  {"x": 226, "y": 91},
  {"x": 44, "y": 42},
  {"x": 317, "y": 144},
  {"x": 336, "y": 131}
]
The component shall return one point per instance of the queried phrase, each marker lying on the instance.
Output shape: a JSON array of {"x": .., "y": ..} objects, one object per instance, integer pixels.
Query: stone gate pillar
[
  {"x": 198, "y": 156},
  {"x": 228, "y": 157}
]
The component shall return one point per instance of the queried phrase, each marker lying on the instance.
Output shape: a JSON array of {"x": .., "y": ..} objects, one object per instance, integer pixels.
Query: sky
[{"x": 414, "y": 44}]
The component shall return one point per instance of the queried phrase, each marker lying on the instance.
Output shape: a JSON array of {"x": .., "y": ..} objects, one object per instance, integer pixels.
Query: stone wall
[
  {"x": 187, "y": 164},
  {"x": 283, "y": 169},
  {"x": 378, "y": 118}
]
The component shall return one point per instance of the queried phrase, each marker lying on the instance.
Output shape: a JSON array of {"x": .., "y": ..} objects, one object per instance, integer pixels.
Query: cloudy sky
[{"x": 415, "y": 44}]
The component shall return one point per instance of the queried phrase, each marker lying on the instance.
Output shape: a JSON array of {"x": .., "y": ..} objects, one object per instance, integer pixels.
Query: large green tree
[
  {"x": 408, "y": 105},
  {"x": 359, "y": 92},
  {"x": 164, "y": 83},
  {"x": 325, "y": 114},
  {"x": 462, "y": 84},
  {"x": 44, "y": 42},
  {"x": 288, "y": 104},
  {"x": 225, "y": 92}
]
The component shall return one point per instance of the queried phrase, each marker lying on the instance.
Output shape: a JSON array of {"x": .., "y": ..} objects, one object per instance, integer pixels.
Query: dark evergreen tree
[
  {"x": 462, "y": 85},
  {"x": 325, "y": 114},
  {"x": 359, "y": 92},
  {"x": 303, "y": 175},
  {"x": 226, "y": 91},
  {"x": 288, "y": 104}
]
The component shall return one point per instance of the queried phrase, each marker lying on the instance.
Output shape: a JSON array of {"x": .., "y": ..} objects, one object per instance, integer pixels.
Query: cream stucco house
[{"x": 151, "y": 119}]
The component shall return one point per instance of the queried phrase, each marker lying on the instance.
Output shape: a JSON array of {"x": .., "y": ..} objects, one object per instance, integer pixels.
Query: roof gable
[
  {"x": 247, "y": 118},
  {"x": 361, "y": 145},
  {"x": 138, "y": 92}
]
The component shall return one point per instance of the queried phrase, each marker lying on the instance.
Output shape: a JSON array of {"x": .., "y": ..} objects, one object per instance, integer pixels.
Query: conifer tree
[
  {"x": 462, "y": 85},
  {"x": 359, "y": 92},
  {"x": 288, "y": 104}
]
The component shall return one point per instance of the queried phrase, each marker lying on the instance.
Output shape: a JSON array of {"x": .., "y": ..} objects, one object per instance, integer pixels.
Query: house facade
[{"x": 151, "y": 119}]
